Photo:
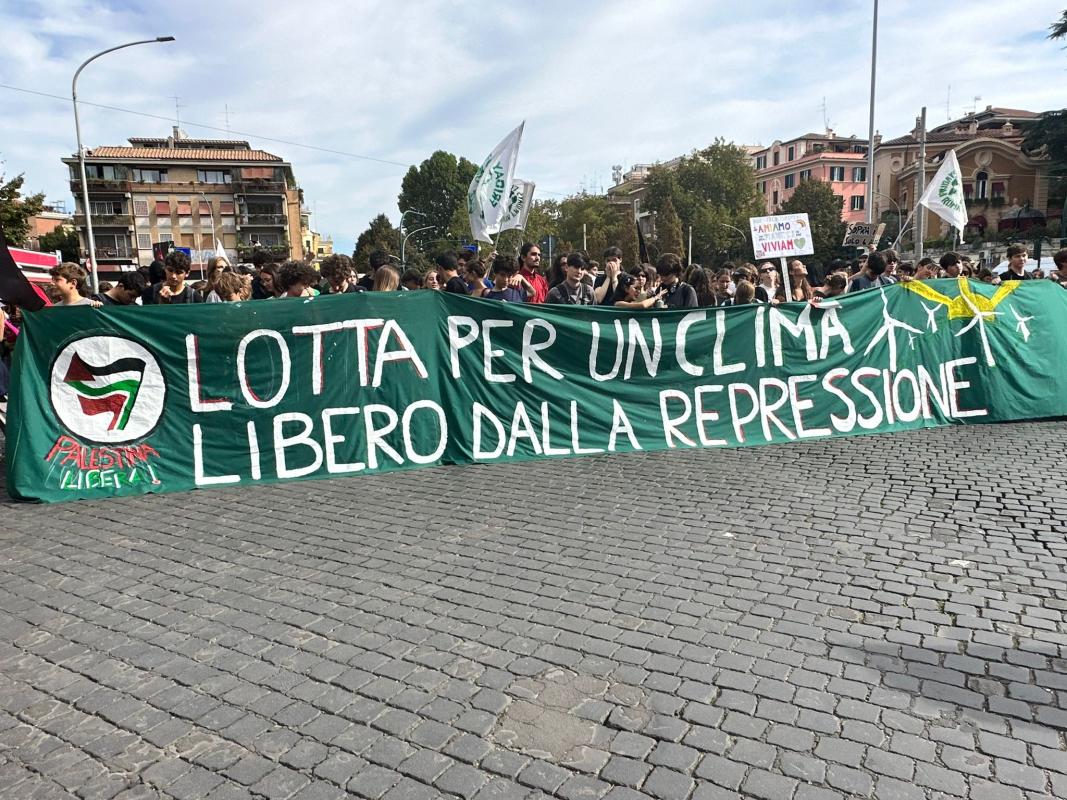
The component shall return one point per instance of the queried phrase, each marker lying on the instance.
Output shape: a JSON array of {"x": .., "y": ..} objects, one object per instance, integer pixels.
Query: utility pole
[
  {"x": 689, "y": 247},
  {"x": 920, "y": 212},
  {"x": 870, "y": 137}
]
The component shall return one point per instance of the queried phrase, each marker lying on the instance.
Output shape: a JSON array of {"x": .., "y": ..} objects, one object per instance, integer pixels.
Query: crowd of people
[{"x": 571, "y": 279}]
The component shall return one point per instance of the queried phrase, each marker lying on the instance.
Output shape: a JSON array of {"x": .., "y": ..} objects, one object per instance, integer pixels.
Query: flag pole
[{"x": 870, "y": 139}]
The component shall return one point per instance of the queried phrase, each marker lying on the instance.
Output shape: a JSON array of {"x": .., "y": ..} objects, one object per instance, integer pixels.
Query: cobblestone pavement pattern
[{"x": 869, "y": 622}]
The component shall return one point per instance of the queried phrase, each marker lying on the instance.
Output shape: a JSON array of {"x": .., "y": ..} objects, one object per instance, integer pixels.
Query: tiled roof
[
  {"x": 952, "y": 136},
  {"x": 167, "y": 154},
  {"x": 1012, "y": 112},
  {"x": 191, "y": 142}
]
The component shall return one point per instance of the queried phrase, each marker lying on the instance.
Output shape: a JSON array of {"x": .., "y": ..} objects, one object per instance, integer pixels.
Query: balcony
[
  {"x": 264, "y": 219},
  {"x": 101, "y": 185},
  {"x": 258, "y": 186},
  {"x": 105, "y": 220},
  {"x": 245, "y": 250},
  {"x": 114, "y": 251}
]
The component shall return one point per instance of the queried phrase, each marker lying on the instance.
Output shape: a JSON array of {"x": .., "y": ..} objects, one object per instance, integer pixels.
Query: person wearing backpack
[{"x": 173, "y": 288}]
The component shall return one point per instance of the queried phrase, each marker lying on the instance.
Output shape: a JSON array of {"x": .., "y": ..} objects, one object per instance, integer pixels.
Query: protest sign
[
  {"x": 124, "y": 400},
  {"x": 781, "y": 236},
  {"x": 863, "y": 234}
]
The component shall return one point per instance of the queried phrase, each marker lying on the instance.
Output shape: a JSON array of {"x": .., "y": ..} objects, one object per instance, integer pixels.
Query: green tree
[
  {"x": 437, "y": 189},
  {"x": 64, "y": 239},
  {"x": 16, "y": 210},
  {"x": 1058, "y": 29},
  {"x": 669, "y": 230},
  {"x": 380, "y": 235},
  {"x": 714, "y": 191},
  {"x": 823, "y": 207},
  {"x": 607, "y": 224}
]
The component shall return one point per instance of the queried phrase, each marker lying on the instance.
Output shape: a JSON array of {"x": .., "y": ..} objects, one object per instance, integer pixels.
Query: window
[
  {"x": 105, "y": 208},
  {"x": 144, "y": 241},
  {"x": 112, "y": 245},
  {"x": 857, "y": 202},
  {"x": 791, "y": 154},
  {"x": 140, "y": 208},
  {"x": 761, "y": 162},
  {"x": 213, "y": 175},
  {"x": 998, "y": 190},
  {"x": 163, "y": 208},
  {"x": 150, "y": 175},
  {"x": 777, "y": 157},
  {"x": 226, "y": 207},
  {"x": 100, "y": 172},
  {"x": 805, "y": 175},
  {"x": 774, "y": 198},
  {"x": 265, "y": 239},
  {"x": 968, "y": 191},
  {"x": 790, "y": 180},
  {"x": 859, "y": 174},
  {"x": 185, "y": 208},
  {"x": 166, "y": 237},
  {"x": 981, "y": 182},
  {"x": 762, "y": 186},
  {"x": 837, "y": 173},
  {"x": 204, "y": 209}
]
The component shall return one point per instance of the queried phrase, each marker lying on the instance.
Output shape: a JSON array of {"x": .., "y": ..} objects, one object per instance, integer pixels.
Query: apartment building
[
  {"x": 836, "y": 160},
  {"x": 191, "y": 192},
  {"x": 1005, "y": 187}
]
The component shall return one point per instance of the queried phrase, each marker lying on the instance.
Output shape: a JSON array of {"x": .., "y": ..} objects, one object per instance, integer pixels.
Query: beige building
[
  {"x": 189, "y": 192},
  {"x": 1004, "y": 187},
  {"x": 316, "y": 245}
]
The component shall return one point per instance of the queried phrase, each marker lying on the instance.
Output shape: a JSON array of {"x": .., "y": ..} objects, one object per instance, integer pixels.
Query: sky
[{"x": 385, "y": 84}]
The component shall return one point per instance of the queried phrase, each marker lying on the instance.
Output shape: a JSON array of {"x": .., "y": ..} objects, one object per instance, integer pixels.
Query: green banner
[{"x": 120, "y": 401}]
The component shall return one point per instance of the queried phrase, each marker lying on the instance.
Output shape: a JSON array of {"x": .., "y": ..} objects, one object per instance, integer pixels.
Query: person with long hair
[
  {"x": 269, "y": 284},
  {"x": 701, "y": 283},
  {"x": 386, "y": 279},
  {"x": 800, "y": 289},
  {"x": 557, "y": 273},
  {"x": 626, "y": 294}
]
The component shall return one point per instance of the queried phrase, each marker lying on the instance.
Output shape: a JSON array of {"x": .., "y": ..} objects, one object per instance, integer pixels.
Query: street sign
[{"x": 781, "y": 236}]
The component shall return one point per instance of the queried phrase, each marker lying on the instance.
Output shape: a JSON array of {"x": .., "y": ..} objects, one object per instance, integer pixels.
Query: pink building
[{"x": 839, "y": 161}]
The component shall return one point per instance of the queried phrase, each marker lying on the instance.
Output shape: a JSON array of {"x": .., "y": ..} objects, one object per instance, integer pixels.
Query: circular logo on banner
[{"x": 107, "y": 389}]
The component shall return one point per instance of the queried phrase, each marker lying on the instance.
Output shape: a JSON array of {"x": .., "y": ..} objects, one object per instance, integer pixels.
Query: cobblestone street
[{"x": 877, "y": 617}]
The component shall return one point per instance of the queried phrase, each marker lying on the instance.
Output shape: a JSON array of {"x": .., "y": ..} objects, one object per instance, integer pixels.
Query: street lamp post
[
  {"x": 744, "y": 236},
  {"x": 81, "y": 152},
  {"x": 402, "y": 215},
  {"x": 900, "y": 217},
  {"x": 404, "y": 241}
]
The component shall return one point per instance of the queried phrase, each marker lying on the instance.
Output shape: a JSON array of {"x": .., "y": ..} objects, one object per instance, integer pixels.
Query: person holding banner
[
  {"x": 676, "y": 293},
  {"x": 573, "y": 291},
  {"x": 1016, "y": 271},
  {"x": 626, "y": 294}
]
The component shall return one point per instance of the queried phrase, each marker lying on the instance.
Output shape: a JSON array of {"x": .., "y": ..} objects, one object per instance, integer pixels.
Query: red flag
[{"x": 14, "y": 286}]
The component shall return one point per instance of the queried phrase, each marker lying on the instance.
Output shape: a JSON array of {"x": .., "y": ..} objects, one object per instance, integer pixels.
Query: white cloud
[{"x": 598, "y": 83}]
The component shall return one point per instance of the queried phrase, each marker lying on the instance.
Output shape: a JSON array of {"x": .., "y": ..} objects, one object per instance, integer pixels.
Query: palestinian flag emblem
[{"x": 107, "y": 389}]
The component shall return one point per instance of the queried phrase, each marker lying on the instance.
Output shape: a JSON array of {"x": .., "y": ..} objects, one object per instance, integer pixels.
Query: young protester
[
  {"x": 124, "y": 292},
  {"x": 431, "y": 281},
  {"x": 835, "y": 284},
  {"x": 504, "y": 285},
  {"x": 337, "y": 273},
  {"x": 173, "y": 288},
  {"x": 215, "y": 267},
  {"x": 799, "y": 287},
  {"x": 386, "y": 279},
  {"x": 744, "y": 293},
  {"x": 377, "y": 260},
  {"x": 230, "y": 288},
  {"x": 1016, "y": 271},
  {"x": 722, "y": 285},
  {"x": 448, "y": 275},
  {"x": 950, "y": 265},
  {"x": 870, "y": 275},
  {"x": 701, "y": 283},
  {"x": 676, "y": 293},
  {"x": 268, "y": 282},
  {"x": 604, "y": 285},
  {"x": 411, "y": 279},
  {"x": 557, "y": 273},
  {"x": 530, "y": 269},
  {"x": 477, "y": 283},
  {"x": 69, "y": 282},
  {"x": 626, "y": 294},
  {"x": 298, "y": 279},
  {"x": 767, "y": 289},
  {"x": 573, "y": 290}
]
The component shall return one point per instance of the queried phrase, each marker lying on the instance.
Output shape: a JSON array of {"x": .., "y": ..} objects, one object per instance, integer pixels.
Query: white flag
[
  {"x": 488, "y": 193},
  {"x": 520, "y": 198},
  {"x": 220, "y": 252},
  {"x": 944, "y": 195}
]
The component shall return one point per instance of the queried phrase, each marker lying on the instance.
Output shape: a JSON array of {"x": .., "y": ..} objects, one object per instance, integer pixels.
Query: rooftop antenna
[
  {"x": 825, "y": 114},
  {"x": 974, "y": 106},
  {"x": 226, "y": 113},
  {"x": 177, "y": 110},
  {"x": 948, "y": 104}
]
